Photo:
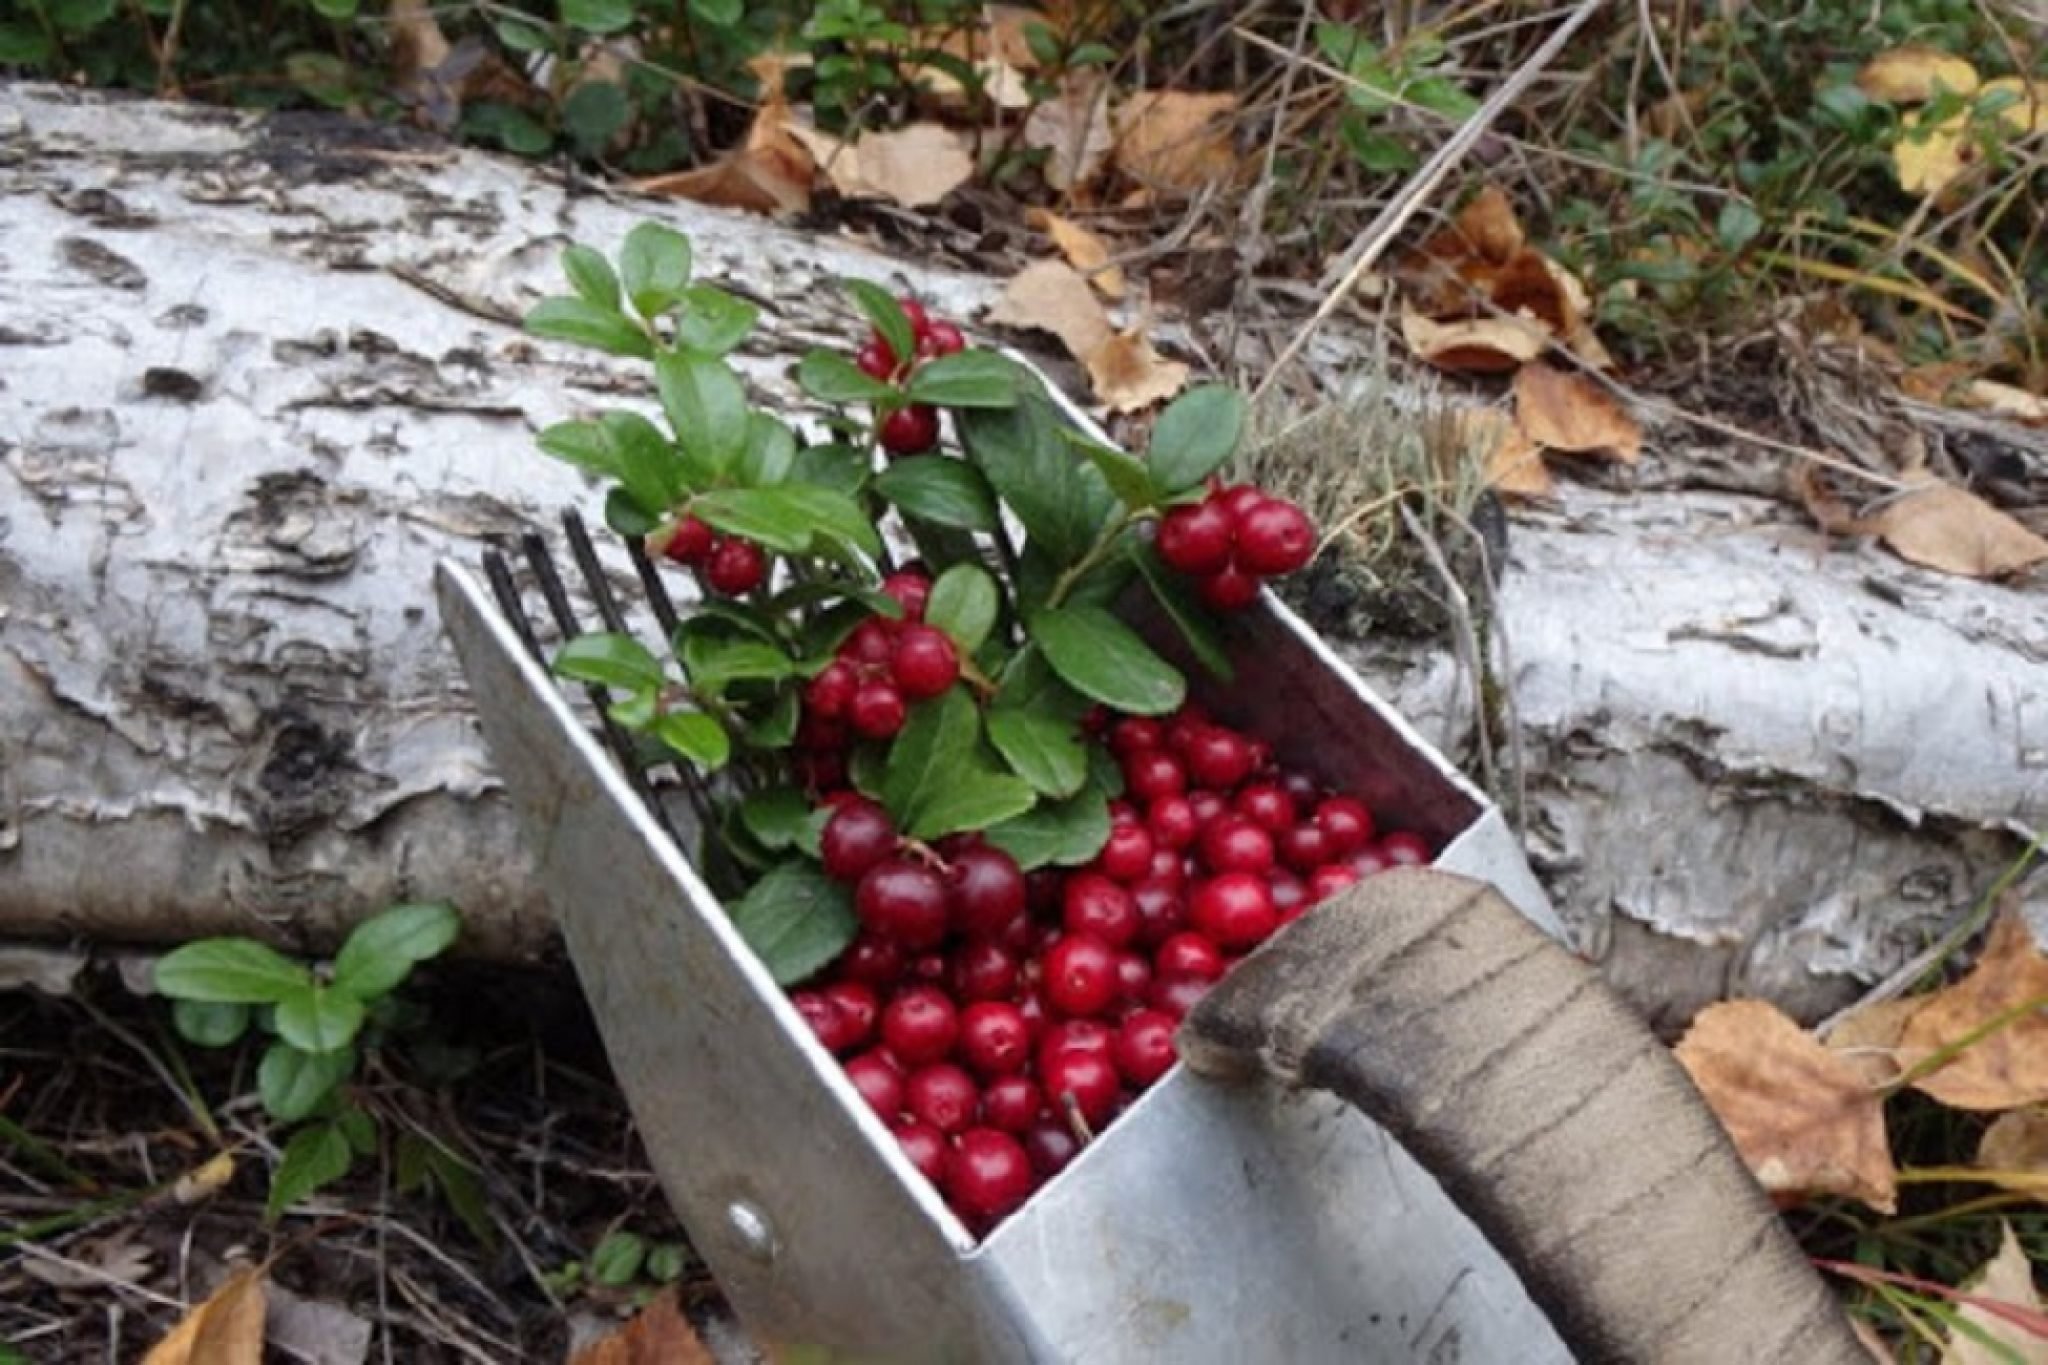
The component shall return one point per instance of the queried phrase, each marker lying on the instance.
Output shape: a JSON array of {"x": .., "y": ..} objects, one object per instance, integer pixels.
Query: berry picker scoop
[{"x": 1410, "y": 1126}]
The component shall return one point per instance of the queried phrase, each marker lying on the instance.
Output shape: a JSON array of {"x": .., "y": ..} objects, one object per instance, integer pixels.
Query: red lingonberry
[
  {"x": 1232, "y": 843},
  {"x": 857, "y": 837},
  {"x": 1328, "y": 880},
  {"x": 1093, "y": 904},
  {"x": 994, "y": 1039},
  {"x": 1051, "y": 1145},
  {"x": 1074, "y": 1035},
  {"x": 924, "y": 663},
  {"x": 1234, "y": 909},
  {"x": 1127, "y": 855},
  {"x": 1228, "y": 589},
  {"x": 1161, "y": 912},
  {"x": 1302, "y": 788},
  {"x": 1171, "y": 822},
  {"x": 1183, "y": 726},
  {"x": 1274, "y": 537},
  {"x": 987, "y": 1174},
  {"x": 903, "y": 902},
  {"x": 920, "y": 316},
  {"x": 1122, "y": 812},
  {"x": 871, "y": 959},
  {"x": 1237, "y": 500},
  {"x": 941, "y": 338},
  {"x": 876, "y": 360},
  {"x": 1175, "y": 995},
  {"x": 1011, "y": 1103},
  {"x": 982, "y": 969},
  {"x": 920, "y": 1025},
  {"x": 1080, "y": 974},
  {"x": 924, "y": 1145},
  {"x": 1370, "y": 861},
  {"x": 1133, "y": 976},
  {"x": 1152, "y": 773},
  {"x": 877, "y": 710},
  {"x": 989, "y": 892},
  {"x": 1267, "y": 805},
  {"x": 911, "y": 590},
  {"x": 827, "y": 694},
  {"x": 1304, "y": 847},
  {"x": 927, "y": 968},
  {"x": 910, "y": 430},
  {"x": 1218, "y": 759},
  {"x": 828, "y": 1023},
  {"x": 870, "y": 642},
  {"x": 1405, "y": 848},
  {"x": 1347, "y": 824},
  {"x": 858, "y": 1002},
  {"x": 1188, "y": 955},
  {"x": 735, "y": 567},
  {"x": 689, "y": 542},
  {"x": 942, "y": 1095},
  {"x": 1289, "y": 892},
  {"x": 879, "y": 1082},
  {"x": 1087, "y": 1080},
  {"x": 1208, "y": 807},
  {"x": 1133, "y": 733},
  {"x": 1195, "y": 539},
  {"x": 1144, "y": 1049}
]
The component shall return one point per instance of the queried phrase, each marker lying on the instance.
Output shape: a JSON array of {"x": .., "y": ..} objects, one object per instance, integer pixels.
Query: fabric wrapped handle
[{"x": 1544, "y": 1106}]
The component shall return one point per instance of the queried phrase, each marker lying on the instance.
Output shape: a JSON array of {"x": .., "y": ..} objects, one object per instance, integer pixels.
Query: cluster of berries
[
  {"x": 914, "y": 428},
  {"x": 879, "y": 669},
  {"x": 1232, "y": 540},
  {"x": 996, "y": 1020},
  {"x": 731, "y": 566}
]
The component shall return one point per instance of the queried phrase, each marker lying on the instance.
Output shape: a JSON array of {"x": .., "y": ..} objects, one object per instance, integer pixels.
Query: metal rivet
[{"x": 752, "y": 1230}]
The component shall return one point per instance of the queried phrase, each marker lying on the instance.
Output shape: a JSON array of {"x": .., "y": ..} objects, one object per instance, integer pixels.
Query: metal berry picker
[{"x": 897, "y": 889}]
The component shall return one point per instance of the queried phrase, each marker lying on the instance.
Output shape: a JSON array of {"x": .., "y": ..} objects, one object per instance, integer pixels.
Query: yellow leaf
[
  {"x": 660, "y": 1335},
  {"x": 1941, "y": 527},
  {"x": 1174, "y": 141},
  {"x": 1914, "y": 74},
  {"x": 1129, "y": 375},
  {"x": 1928, "y": 161},
  {"x": 1567, "y": 411},
  {"x": 913, "y": 166},
  {"x": 1087, "y": 252},
  {"x": 1802, "y": 1118},
  {"x": 2007, "y": 1278},
  {"x": 1052, "y": 296},
  {"x": 2006, "y": 1068},
  {"x": 1472, "y": 345},
  {"x": 207, "y": 1180},
  {"x": 225, "y": 1330}
]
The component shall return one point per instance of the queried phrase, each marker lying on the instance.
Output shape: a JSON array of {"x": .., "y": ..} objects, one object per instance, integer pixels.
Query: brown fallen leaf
[
  {"x": 1174, "y": 141},
  {"x": 768, "y": 173},
  {"x": 1052, "y": 296},
  {"x": 1129, "y": 375},
  {"x": 1914, "y": 74},
  {"x": 225, "y": 1330},
  {"x": 1472, "y": 345},
  {"x": 1565, "y": 410},
  {"x": 2007, "y": 1068},
  {"x": 2007, "y": 1278},
  {"x": 915, "y": 166},
  {"x": 1514, "y": 463},
  {"x": 660, "y": 1335},
  {"x": 1869, "y": 1039},
  {"x": 1073, "y": 129},
  {"x": 1085, "y": 251},
  {"x": 417, "y": 43},
  {"x": 1802, "y": 1118},
  {"x": 1938, "y": 526},
  {"x": 2016, "y": 1143}
]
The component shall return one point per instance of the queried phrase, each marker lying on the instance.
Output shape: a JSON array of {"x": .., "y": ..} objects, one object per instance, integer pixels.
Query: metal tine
[
  {"x": 585, "y": 555},
  {"x": 657, "y": 591},
  {"x": 543, "y": 565},
  {"x": 506, "y": 590}
]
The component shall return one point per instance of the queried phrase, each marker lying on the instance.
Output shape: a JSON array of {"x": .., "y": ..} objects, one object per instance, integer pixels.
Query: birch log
[{"x": 257, "y": 375}]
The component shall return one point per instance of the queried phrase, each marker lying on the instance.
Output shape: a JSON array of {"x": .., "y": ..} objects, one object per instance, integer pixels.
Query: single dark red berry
[
  {"x": 1195, "y": 539},
  {"x": 1346, "y": 822},
  {"x": 987, "y": 1174},
  {"x": 1304, "y": 847},
  {"x": 1150, "y": 774},
  {"x": 910, "y": 430},
  {"x": 1093, "y": 904},
  {"x": 1189, "y": 955},
  {"x": 828, "y": 694},
  {"x": 1218, "y": 759},
  {"x": 989, "y": 891},
  {"x": 1011, "y": 1103},
  {"x": 689, "y": 542},
  {"x": 1289, "y": 892},
  {"x": 1133, "y": 976},
  {"x": 1228, "y": 589},
  {"x": 1144, "y": 1048},
  {"x": 1234, "y": 909},
  {"x": 877, "y": 710},
  {"x": 1274, "y": 537},
  {"x": 994, "y": 1039},
  {"x": 1208, "y": 807},
  {"x": 1080, "y": 974},
  {"x": 920, "y": 1025},
  {"x": 871, "y": 959},
  {"x": 920, "y": 316},
  {"x": 1122, "y": 812},
  {"x": 942, "y": 1095},
  {"x": 1232, "y": 843},
  {"x": 1184, "y": 725},
  {"x": 1405, "y": 848},
  {"x": 1171, "y": 822},
  {"x": 1267, "y": 805},
  {"x": 879, "y": 1082},
  {"x": 1237, "y": 501},
  {"x": 857, "y": 837},
  {"x": 1074, "y": 1035},
  {"x": 735, "y": 567},
  {"x": 828, "y": 1023},
  {"x": 1176, "y": 995},
  {"x": 1328, "y": 880},
  {"x": 911, "y": 590},
  {"x": 924, "y": 663},
  {"x": 941, "y": 338},
  {"x": 1370, "y": 861},
  {"x": 876, "y": 360},
  {"x": 1127, "y": 855},
  {"x": 870, "y": 642},
  {"x": 1161, "y": 912},
  {"x": 924, "y": 1145},
  {"x": 1088, "y": 1080},
  {"x": 1133, "y": 733},
  {"x": 858, "y": 1002},
  {"x": 982, "y": 969},
  {"x": 903, "y": 902},
  {"x": 1051, "y": 1145}
]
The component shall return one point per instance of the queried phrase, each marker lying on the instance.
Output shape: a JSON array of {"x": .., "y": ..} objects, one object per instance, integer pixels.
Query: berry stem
[{"x": 1097, "y": 553}]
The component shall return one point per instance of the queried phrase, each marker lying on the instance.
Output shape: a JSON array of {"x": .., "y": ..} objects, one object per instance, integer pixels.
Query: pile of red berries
[
  {"x": 1232, "y": 540},
  {"x": 998, "y": 1020},
  {"x": 878, "y": 670},
  {"x": 731, "y": 566},
  {"x": 914, "y": 428}
]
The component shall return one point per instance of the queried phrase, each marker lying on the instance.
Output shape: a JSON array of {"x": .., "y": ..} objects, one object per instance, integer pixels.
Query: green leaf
[
  {"x": 520, "y": 36},
  {"x": 583, "y": 444},
  {"x": 770, "y": 452},
  {"x": 789, "y": 518},
  {"x": 940, "y": 490},
  {"x": 666, "y": 1262},
  {"x": 1035, "y": 724},
  {"x": 459, "y": 1185},
  {"x": 585, "y": 324},
  {"x": 718, "y": 13},
  {"x": 837, "y": 467},
  {"x": 1056, "y": 833},
  {"x": 1062, "y": 501},
  {"x": 609, "y": 660},
  {"x": 938, "y": 780},
  {"x": 636, "y": 711},
  {"x": 796, "y": 919},
  {"x": 777, "y": 728},
  {"x": 598, "y": 16},
  {"x": 318, "y": 1019},
  {"x": 696, "y": 737},
  {"x": 831, "y": 378},
  {"x": 594, "y": 113},
  {"x": 1101, "y": 657},
  {"x": 511, "y": 128},
  {"x": 617, "y": 1259},
  {"x": 1738, "y": 224},
  {"x": 1126, "y": 477},
  {"x": 881, "y": 308},
  {"x": 315, "y": 1156},
  {"x": 78, "y": 16},
  {"x": 713, "y": 321},
  {"x": 359, "y": 1128},
  {"x": 1194, "y": 436},
  {"x": 626, "y": 517},
  {"x": 1186, "y": 612},
  {"x": 23, "y": 44},
  {"x": 1442, "y": 95},
  {"x": 382, "y": 950},
  {"x": 706, "y": 405},
  {"x": 654, "y": 263},
  {"x": 591, "y": 275},
  {"x": 778, "y": 818},
  {"x": 230, "y": 971},
  {"x": 963, "y": 603},
  {"x": 208, "y": 1023},
  {"x": 293, "y": 1083},
  {"x": 965, "y": 379}
]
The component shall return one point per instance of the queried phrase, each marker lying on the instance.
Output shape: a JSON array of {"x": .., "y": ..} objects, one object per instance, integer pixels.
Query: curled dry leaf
[
  {"x": 1869, "y": 1039},
  {"x": 2016, "y": 1144},
  {"x": 1072, "y": 128},
  {"x": 1514, "y": 463},
  {"x": 768, "y": 173},
  {"x": 2020, "y": 1335},
  {"x": 1803, "y": 1119},
  {"x": 1501, "y": 296},
  {"x": 1942, "y": 527},
  {"x": 913, "y": 166},
  {"x": 2006, "y": 400},
  {"x": 1176, "y": 142},
  {"x": 1051, "y": 296},
  {"x": 1129, "y": 375},
  {"x": 1087, "y": 252},
  {"x": 225, "y": 1330},
  {"x": 2008, "y": 1067},
  {"x": 1914, "y": 74},
  {"x": 206, "y": 1180},
  {"x": 1565, "y": 410},
  {"x": 1472, "y": 345},
  {"x": 660, "y": 1335}
]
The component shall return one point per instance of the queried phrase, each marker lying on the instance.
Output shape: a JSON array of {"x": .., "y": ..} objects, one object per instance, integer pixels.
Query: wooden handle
[{"x": 1544, "y": 1106}]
